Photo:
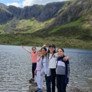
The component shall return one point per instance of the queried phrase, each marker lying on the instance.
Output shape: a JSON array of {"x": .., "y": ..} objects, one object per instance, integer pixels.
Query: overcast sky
[{"x": 22, "y": 3}]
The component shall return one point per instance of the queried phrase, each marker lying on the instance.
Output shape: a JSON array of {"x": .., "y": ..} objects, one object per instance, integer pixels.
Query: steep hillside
[
  {"x": 72, "y": 26},
  {"x": 75, "y": 10},
  {"x": 15, "y": 11},
  {"x": 39, "y": 12},
  {"x": 5, "y": 15},
  {"x": 50, "y": 10},
  {"x": 69, "y": 26},
  {"x": 23, "y": 26},
  {"x": 72, "y": 20}
]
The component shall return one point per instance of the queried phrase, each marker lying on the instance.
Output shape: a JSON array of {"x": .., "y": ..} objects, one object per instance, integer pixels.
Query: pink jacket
[{"x": 34, "y": 57}]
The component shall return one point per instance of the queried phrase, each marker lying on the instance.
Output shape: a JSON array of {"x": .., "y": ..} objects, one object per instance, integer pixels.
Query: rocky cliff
[{"x": 39, "y": 12}]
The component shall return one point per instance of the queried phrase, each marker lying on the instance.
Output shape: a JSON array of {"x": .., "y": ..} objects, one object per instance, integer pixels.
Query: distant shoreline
[{"x": 32, "y": 40}]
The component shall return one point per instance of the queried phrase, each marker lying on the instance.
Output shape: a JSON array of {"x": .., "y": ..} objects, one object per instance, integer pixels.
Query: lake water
[{"x": 15, "y": 69}]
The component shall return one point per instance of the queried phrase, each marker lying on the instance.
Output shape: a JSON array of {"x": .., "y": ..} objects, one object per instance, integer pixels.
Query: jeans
[
  {"x": 33, "y": 69},
  {"x": 61, "y": 85},
  {"x": 48, "y": 83},
  {"x": 53, "y": 76}
]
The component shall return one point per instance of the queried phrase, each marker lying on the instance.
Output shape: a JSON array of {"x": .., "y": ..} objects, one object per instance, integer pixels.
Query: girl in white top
[{"x": 52, "y": 65}]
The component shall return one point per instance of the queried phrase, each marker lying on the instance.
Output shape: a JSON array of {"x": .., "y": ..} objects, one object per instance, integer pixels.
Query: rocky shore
[{"x": 70, "y": 88}]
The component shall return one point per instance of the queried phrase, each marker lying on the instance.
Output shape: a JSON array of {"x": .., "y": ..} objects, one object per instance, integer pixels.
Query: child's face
[
  {"x": 60, "y": 52},
  {"x": 43, "y": 52},
  {"x": 39, "y": 53},
  {"x": 34, "y": 49},
  {"x": 51, "y": 49}
]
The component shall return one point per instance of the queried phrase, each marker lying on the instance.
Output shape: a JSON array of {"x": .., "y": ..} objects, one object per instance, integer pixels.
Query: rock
[{"x": 33, "y": 88}]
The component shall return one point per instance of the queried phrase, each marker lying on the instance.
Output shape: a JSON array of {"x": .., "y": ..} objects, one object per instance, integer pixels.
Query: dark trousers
[
  {"x": 48, "y": 83},
  {"x": 53, "y": 76},
  {"x": 61, "y": 85},
  {"x": 33, "y": 69}
]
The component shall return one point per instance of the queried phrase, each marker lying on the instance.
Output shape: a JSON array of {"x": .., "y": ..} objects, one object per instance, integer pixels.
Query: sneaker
[
  {"x": 35, "y": 84},
  {"x": 38, "y": 90}
]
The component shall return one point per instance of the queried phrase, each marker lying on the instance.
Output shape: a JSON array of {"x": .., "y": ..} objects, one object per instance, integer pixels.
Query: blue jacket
[{"x": 63, "y": 68}]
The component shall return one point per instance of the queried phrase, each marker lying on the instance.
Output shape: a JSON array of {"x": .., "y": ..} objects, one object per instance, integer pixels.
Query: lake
[{"x": 15, "y": 69}]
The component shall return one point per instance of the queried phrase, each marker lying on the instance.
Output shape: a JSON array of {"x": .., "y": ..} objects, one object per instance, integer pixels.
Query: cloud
[
  {"x": 14, "y": 4},
  {"x": 46, "y": 1},
  {"x": 27, "y": 2},
  {"x": 31, "y": 2},
  {"x": 22, "y": 3}
]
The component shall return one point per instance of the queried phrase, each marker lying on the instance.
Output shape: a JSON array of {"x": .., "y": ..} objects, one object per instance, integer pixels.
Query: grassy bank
[
  {"x": 28, "y": 39},
  {"x": 76, "y": 34},
  {"x": 23, "y": 26},
  {"x": 79, "y": 29}
]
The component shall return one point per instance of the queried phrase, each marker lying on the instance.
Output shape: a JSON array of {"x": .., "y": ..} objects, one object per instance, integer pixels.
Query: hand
[
  {"x": 66, "y": 58},
  {"x": 25, "y": 49}
]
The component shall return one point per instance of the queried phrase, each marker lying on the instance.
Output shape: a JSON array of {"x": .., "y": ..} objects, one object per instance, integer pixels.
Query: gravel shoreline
[{"x": 70, "y": 88}]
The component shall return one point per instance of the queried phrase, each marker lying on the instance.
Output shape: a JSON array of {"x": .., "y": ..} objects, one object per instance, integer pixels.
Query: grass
[
  {"x": 79, "y": 29},
  {"x": 76, "y": 34},
  {"x": 24, "y": 26},
  {"x": 28, "y": 39},
  {"x": 1, "y": 29}
]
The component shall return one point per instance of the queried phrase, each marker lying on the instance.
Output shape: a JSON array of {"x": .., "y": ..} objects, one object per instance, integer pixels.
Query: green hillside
[
  {"x": 76, "y": 34},
  {"x": 23, "y": 26},
  {"x": 30, "y": 26},
  {"x": 70, "y": 28}
]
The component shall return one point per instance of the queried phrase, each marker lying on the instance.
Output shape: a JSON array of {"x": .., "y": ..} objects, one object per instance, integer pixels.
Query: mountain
[
  {"x": 73, "y": 11},
  {"x": 49, "y": 11},
  {"x": 5, "y": 15},
  {"x": 15, "y": 11},
  {"x": 3, "y": 6},
  {"x": 73, "y": 20},
  {"x": 39, "y": 12},
  {"x": 31, "y": 12},
  {"x": 66, "y": 24}
]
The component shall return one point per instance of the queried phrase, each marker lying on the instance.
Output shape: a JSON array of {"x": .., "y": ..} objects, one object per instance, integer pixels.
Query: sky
[{"x": 22, "y": 3}]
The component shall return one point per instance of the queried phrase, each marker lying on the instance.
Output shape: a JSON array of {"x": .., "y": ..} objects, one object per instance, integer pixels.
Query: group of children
[{"x": 51, "y": 64}]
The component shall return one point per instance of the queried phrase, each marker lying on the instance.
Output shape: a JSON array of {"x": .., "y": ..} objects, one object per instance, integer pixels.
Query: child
[
  {"x": 33, "y": 55},
  {"x": 45, "y": 68},
  {"x": 52, "y": 65},
  {"x": 62, "y": 71},
  {"x": 39, "y": 71}
]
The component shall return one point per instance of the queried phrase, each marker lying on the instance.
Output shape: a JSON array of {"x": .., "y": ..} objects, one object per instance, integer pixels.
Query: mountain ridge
[{"x": 39, "y": 12}]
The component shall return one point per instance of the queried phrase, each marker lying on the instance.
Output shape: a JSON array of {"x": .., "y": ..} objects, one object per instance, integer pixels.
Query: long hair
[{"x": 53, "y": 46}]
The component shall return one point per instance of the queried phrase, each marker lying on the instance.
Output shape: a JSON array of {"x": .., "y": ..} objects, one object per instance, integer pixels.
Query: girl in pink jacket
[{"x": 33, "y": 55}]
